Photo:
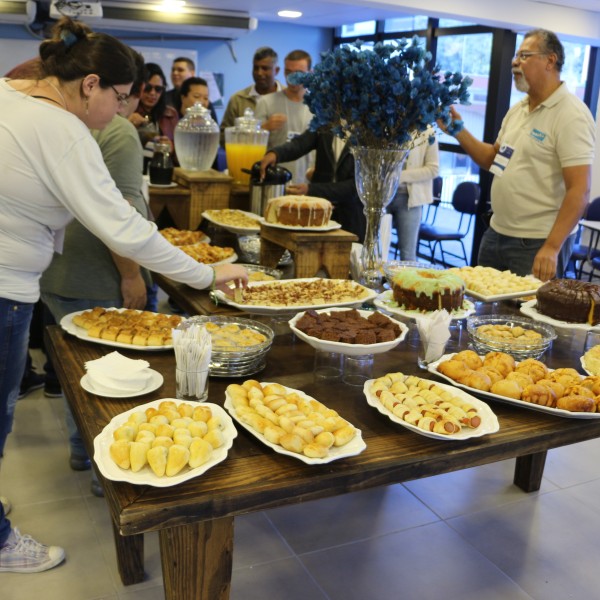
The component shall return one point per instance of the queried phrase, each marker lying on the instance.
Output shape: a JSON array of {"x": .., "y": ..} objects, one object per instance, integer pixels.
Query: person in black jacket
[{"x": 333, "y": 177}]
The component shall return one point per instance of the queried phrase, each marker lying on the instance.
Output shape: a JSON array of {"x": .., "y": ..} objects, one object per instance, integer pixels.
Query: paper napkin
[
  {"x": 434, "y": 331},
  {"x": 116, "y": 373}
]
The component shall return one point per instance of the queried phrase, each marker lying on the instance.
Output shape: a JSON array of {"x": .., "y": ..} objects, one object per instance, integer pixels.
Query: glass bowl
[
  {"x": 518, "y": 347},
  {"x": 258, "y": 269},
  {"x": 238, "y": 360},
  {"x": 250, "y": 249},
  {"x": 391, "y": 267}
]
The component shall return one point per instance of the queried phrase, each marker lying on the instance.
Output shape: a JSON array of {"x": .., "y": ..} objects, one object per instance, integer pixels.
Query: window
[
  {"x": 453, "y": 23},
  {"x": 358, "y": 29},
  {"x": 470, "y": 55},
  {"x": 406, "y": 23}
]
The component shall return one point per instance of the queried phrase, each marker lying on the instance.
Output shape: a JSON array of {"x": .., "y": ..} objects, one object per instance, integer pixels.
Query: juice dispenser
[{"x": 245, "y": 143}]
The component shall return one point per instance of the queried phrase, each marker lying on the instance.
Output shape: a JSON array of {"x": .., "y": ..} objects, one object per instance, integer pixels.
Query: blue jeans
[
  {"x": 406, "y": 221},
  {"x": 15, "y": 318},
  {"x": 504, "y": 252},
  {"x": 59, "y": 307}
]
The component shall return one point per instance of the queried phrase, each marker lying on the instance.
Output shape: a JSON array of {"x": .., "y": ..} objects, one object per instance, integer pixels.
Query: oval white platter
[
  {"x": 347, "y": 349},
  {"x": 270, "y": 310},
  {"x": 146, "y": 476},
  {"x": 559, "y": 412},
  {"x": 79, "y": 332},
  {"x": 234, "y": 228},
  {"x": 489, "y": 421},
  {"x": 352, "y": 448}
]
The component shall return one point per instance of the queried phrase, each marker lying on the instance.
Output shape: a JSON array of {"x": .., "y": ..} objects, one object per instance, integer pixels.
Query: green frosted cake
[{"x": 428, "y": 289}]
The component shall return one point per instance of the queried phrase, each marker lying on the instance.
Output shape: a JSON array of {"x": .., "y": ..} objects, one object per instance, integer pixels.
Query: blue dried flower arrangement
[{"x": 381, "y": 97}]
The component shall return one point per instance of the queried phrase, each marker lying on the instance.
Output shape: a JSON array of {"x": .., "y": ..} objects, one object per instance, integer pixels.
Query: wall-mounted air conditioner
[
  {"x": 149, "y": 18},
  {"x": 17, "y": 11}
]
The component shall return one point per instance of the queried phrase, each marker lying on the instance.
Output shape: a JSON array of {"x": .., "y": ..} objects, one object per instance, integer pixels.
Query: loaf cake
[
  {"x": 428, "y": 289},
  {"x": 298, "y": 211},
  {"x": 570, "y": 300}
]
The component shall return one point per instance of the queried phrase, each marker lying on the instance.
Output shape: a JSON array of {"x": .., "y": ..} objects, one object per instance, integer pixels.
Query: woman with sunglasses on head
[
  {"x": 53, "y": 170},
  {"x": 153, "y": 117}
]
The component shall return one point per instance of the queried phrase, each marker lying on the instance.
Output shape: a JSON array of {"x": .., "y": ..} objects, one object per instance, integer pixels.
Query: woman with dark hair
[
  {"x": 53, "y": 170},
  {"x": 153, "y": 117}
]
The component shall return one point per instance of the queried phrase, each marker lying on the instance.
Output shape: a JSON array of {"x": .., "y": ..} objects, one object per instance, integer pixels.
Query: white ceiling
[{"x": 332, "y": 13}]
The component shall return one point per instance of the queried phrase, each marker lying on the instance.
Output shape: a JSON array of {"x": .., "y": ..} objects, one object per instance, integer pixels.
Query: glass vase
[{"x": 377, "y": 174}]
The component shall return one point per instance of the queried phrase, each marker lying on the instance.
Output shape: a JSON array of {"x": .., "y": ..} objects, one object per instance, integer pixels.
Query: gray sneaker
[{"x": 22, "y": 554}]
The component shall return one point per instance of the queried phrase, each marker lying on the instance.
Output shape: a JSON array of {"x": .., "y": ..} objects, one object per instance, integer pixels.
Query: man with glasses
[
  {"x": 285, "y": 116},
  {"x": 541, "y": 160}
]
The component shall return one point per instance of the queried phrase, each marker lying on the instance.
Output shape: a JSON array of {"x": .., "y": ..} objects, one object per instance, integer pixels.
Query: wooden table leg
[
  {"x": 270, "y": 253},
  {"x": 529, "y": 470},
  {"x": 197, "y": 560},
  {"x": 130, "y": 556}
]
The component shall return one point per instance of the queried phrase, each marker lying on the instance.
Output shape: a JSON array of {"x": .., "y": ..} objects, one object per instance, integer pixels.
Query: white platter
[
  {"x": 329, "y": 227},
  {"x": 163, "y": 185},
  {"x": 529, "y": 309},
  {"x": 559, "y": 412},
  {"x": 498, "y": 297},
  {"x": 225, "y": 261},
  {"x": 385, "y": 301},
  {"x": 233, "y": 228},
  {"x": 352, "y": 448},
  {"x": 67, "y": 324},
  {"x": 156, "y": 381},
  {"x": 271, "y": 310},
  {"x": 146, "y": 476},
  {"x": 347, "y": 349},
  {"x": 489, "y": 421}
]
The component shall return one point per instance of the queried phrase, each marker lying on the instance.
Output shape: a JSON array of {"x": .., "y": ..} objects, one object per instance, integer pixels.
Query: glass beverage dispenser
[
  {"x": 196, "y": 139},
  {"x": 245, "y": 143}
]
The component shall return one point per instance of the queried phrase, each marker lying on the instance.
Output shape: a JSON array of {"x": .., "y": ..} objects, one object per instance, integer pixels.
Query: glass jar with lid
[
  {"x": 161, "y": 165},
  {"x": 196, "y": 139},
  {"x": 245, "y": 143}
]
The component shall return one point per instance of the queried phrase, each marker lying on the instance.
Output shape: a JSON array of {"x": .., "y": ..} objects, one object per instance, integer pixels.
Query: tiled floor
[{"x": 469, "y": 535}]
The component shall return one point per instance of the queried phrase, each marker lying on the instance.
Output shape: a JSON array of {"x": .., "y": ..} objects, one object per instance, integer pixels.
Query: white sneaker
[
  {"x": 22, "y": 554},
  {"x": 6, "y": 505}
]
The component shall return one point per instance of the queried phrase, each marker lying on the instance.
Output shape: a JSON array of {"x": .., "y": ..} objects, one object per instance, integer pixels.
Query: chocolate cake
[
  {"x": 428, "y": 289},
  {"x": 570, "y": 300}
]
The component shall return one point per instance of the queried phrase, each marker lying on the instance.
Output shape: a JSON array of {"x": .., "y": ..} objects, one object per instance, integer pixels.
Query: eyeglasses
[
  {"x": 159, "y": 89},
  {"x": 523, "y": 56},
  {"x": 122, "y": 98}
]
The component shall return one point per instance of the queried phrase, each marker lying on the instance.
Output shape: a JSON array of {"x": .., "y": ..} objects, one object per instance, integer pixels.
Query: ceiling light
[
  {"x": 289, "y": 14},
  {"x": 172, "y": 5}
]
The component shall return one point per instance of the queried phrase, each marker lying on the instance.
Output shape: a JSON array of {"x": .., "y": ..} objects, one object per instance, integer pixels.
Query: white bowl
[{"x": 343, "y": 348}]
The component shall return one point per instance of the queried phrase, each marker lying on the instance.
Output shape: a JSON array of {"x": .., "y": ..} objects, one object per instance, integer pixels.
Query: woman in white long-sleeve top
[{"x": 51, "y": 170}]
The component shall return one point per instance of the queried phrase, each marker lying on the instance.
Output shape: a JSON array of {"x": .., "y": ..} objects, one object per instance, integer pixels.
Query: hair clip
[{"x": 68, "y": 38}]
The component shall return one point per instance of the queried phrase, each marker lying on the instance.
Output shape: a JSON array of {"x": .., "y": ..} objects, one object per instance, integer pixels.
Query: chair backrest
[
  {"x": 592, "y": 212},
  {"x": 466, "y": 197}
]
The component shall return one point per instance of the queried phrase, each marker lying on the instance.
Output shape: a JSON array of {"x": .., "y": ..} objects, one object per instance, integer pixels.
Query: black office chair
[
  {"x": 464, "y": 200},
  {"x": 581, "y": 253}
]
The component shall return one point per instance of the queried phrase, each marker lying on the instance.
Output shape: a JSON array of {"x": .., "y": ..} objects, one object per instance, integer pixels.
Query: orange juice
[{"x": 243, "y": 156}]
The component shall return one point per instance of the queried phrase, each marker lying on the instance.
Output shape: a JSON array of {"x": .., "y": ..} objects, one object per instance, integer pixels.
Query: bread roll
[
  {"x": 119, "y": 452},
  {"x": 215, "y": 438},
  {"x": 157, "y": 459},
  {"x": 138, "y": 455},
  {"x": 470, "y": 358},
  {"x": 539, "y": 394},
  {"x": 177, "y": 458},
  {"x": 200, "y": 452},
  {"x": 510, "y": 388},
  {"x": 576, "y": 404}
]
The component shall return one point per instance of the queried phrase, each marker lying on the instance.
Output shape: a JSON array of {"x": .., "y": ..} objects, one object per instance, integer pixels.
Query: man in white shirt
[
  {"x": 542, "y": 165},
  {"x": 285, "y": 115}
]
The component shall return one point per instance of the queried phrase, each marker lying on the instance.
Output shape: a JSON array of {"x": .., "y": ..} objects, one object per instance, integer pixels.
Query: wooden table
[
  {"x": 196, "y": 192},
  {"x": 195, "y": 519}
]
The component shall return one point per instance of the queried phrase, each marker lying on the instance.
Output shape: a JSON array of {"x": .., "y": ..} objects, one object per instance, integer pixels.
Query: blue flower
[{"x": 382, "y": 96}]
